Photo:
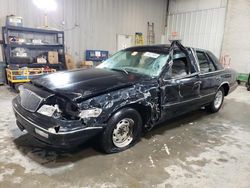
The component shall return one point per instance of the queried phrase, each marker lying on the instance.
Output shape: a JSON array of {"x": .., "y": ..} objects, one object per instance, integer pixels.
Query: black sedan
[{"x": 134, "y": 90}]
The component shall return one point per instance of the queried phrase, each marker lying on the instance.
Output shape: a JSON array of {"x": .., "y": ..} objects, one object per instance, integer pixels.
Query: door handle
[
  {"x": 180, "y": 83},
  {"x": 198, "y": 83}
]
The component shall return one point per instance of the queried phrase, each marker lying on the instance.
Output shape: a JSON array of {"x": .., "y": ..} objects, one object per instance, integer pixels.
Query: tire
[
  {"x": 126, "y": 124},
  {"x": 217, "y": 102}
]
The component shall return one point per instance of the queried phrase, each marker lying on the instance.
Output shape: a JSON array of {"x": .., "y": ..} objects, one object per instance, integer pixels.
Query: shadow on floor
[
  {"x": 53, "y": 157},
  {"x": 177, "y": 122}
]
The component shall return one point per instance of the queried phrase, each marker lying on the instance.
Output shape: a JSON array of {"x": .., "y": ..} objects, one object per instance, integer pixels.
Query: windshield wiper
[{"x": 121, "y": 70}]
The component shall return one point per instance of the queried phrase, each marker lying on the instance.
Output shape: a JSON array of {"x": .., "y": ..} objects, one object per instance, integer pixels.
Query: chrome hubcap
[
  {"x": 218, "y": 99},
  {"x": 123, "y": 133}
]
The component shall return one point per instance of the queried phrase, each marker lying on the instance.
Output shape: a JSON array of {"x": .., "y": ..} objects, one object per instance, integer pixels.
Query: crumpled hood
[{"x": 82, "y": 84}]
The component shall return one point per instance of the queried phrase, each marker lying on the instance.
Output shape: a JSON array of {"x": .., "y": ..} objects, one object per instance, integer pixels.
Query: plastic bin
[
  {"x": 13, "y": 20},
  {"x": 96, "y": 55}
]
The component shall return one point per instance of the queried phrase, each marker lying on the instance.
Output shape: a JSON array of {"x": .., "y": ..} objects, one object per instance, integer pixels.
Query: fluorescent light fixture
[{"x": 46, "y": 5}]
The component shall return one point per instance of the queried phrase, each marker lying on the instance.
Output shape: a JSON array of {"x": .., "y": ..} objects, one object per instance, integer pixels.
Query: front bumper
[{"x": 37, "y": 126}]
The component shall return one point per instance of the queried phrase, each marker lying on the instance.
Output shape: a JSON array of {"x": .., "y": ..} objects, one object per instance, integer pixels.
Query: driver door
[{"x": 180, "y": 87}]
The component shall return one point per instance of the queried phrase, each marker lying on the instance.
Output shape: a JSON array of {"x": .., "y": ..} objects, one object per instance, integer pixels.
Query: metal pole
[{"x": 46, "y": 18}]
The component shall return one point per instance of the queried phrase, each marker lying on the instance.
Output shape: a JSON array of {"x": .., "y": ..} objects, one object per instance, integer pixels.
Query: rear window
[
  {"x": 205, "y": 64},
  {"x": 215, "y": 60}
]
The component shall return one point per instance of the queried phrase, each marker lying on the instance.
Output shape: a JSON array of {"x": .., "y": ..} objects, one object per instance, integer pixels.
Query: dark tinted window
[
  {"x": 215, "y": 60},
  {"x": 205, "y": 64}
]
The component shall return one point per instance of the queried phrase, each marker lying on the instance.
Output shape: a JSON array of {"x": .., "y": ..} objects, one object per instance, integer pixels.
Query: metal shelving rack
[{"x": 54, "y": 41}]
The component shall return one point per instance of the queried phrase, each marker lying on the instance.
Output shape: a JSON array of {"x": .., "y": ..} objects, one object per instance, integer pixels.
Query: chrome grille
[{"x": 29, "y": 100}]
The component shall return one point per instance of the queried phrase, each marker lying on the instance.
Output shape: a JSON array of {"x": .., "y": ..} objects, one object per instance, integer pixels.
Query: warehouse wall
[
  {"x": 236, "y": 42},
  {"x": 199, "y": 23},
  {"x": 93, "y": 24}
]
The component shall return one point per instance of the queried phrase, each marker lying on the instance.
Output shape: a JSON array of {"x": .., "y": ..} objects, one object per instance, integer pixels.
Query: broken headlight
[
  {"x": 48, "y": 110},
  {"x": 94, "y": 112}
]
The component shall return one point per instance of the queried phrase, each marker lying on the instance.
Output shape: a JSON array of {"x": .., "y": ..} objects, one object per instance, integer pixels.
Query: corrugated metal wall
[
  {"x": 93, "y": 24},
  {"x": 199, "y": 23}
]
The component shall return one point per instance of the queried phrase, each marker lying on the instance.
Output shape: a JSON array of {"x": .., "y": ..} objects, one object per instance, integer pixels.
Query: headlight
[
  {"x": 20, "y": 88},
  {"x": 94, "y": 112},
  {"x": 47, "y": 110}
]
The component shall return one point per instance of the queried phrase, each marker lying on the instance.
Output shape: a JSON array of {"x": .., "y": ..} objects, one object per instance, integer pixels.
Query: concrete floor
[{"x": 195, "y": 150}]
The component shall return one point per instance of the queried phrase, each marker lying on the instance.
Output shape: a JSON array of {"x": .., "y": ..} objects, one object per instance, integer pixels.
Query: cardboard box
[
  {"x": 41, "y": 60},
  {"x": 86, "y": 64},
  {"x": 70, "y": 64},
  {"x": 89, "y": 63},
  {"x": 53, "y": 57}
]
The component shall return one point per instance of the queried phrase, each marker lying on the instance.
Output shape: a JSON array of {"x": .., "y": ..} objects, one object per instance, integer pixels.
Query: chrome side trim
[
  {"x": 224, "y": 83},
  {"x": 59, "y": 133},
  {"x": 212, "y": 72},
  {"x": 182, "y": 77}
]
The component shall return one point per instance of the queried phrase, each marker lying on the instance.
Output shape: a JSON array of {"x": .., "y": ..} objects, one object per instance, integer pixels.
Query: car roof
[
  {"x": 158, "y": 47},
  {"x": 164, "y": 48}
]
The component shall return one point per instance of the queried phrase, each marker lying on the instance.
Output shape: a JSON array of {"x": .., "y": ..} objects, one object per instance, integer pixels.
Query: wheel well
[
  {"x": 225, "y": 86},
  {"x": 144, "y": 111}
]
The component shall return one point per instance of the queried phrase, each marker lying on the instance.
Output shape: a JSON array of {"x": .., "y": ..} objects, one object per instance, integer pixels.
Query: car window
[
  {"x": 141, "y": 62},
  {"x": 205, "y": 65},
  {"x": 215, "y": 60},
  {"x": 179, "y": 67}
]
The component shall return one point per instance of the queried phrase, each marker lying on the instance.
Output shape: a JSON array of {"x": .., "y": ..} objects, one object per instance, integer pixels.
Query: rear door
[{"x": 209, "y": 76}]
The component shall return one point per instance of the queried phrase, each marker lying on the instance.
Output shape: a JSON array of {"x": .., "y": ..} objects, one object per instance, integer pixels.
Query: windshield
[{"x": 141, "y": 62}]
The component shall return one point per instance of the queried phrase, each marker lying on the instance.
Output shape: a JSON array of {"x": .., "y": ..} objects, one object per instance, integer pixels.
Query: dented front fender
[{"x": 145, "y": 94}]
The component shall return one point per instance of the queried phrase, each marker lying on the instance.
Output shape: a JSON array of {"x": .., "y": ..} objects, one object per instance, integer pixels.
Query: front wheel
[
  {"x": 217, "y": 102},
  {"x": 123, "y": 131}
]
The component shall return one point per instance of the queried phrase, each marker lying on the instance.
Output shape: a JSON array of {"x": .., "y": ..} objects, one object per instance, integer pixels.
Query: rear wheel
[
  {"x": 217, "y": 102},
  {"x": 122, "y": 132}
]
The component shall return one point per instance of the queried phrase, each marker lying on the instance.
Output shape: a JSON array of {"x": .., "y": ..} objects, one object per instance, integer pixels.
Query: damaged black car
[{"x": 133, "y": 91}]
